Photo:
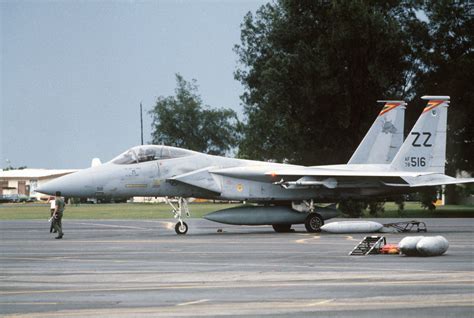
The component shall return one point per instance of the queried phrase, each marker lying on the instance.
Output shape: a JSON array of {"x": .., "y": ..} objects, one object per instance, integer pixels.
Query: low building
[{"x": 24, "y": 182}]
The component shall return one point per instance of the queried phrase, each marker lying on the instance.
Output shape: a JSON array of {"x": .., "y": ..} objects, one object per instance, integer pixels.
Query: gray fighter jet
[{"x": 285, "y": 194}]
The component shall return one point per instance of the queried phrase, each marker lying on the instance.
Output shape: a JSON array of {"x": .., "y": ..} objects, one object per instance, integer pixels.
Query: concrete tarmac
[{"x": 141, "y": 268}]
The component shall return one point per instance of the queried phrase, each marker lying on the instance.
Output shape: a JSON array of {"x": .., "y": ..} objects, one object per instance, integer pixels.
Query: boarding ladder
[
  {"x": 369, "y": 245},
  {"x": 408, "y": 226}
]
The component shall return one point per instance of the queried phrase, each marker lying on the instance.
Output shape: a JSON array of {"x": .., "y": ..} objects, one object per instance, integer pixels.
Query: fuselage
[{"x": 184, "y": 173}]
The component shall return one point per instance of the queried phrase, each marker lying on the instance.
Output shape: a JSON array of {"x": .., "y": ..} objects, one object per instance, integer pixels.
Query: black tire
[
  {"x": 313, "y": 223},
  {"x": 181, "y": 230},
  {"x": 282, "y": 228}
]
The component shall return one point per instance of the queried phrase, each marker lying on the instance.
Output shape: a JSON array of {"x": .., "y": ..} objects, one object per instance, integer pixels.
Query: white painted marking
[
  {"x": 116, "y": 226},
  {"x": 168, "y": 225},
  {"x": 322, "y": 302},
  {"x": 193, "y": 302}
]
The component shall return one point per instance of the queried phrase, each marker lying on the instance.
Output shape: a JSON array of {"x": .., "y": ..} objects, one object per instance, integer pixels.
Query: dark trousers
[
  {"x": 57, "y": 224},
  {"x": 51, "y": 226}
]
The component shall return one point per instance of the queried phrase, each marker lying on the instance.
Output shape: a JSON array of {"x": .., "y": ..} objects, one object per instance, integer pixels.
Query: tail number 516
[{"x": 415, "y": 162}]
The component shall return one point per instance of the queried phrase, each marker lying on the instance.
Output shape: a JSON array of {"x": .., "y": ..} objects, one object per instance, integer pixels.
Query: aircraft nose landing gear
[{"x": 181, "y": 227}]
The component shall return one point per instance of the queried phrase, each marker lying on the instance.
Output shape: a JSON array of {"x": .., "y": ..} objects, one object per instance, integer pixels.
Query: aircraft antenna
[{"x": 141, "y": 121}]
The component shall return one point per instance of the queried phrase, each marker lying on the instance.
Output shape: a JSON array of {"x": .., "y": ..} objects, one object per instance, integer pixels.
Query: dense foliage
[
  {"x": 312, "y": 71},
  {"x": 183, "y": 121}
]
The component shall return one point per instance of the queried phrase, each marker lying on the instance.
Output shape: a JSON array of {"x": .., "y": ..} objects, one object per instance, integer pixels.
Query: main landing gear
[
  {"x": 181, "y": 227},
  {"x": 312, "y": 222}
]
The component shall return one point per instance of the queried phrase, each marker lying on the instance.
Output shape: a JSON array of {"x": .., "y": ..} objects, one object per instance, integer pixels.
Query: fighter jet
[{"x": 285, "y": 194}]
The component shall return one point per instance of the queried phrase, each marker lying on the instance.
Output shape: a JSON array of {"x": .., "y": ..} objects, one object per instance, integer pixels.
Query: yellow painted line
[
  {"x": 87, "y": 290},
  {"x": 256, "y": 308},
  {"x": 411, "y": 303},
  {"x": 222, "y": 284},
  {"x": 64, "y": 258},
  {"x": 306, "y": 240},
  {"x": 193, "y": 302},
  {"x": 24, "y": 303},
  {"x": 113, "y": 241}
]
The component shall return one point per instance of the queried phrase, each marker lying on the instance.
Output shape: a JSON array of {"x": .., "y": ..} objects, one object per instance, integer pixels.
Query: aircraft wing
[
  {"x": 299, "y": 176},
  {"x": 332, "y": 178},
  {"x": 295, "y": 177},
  {"x": 199, "y": 178},
  {"x": 323, "y": 172}
]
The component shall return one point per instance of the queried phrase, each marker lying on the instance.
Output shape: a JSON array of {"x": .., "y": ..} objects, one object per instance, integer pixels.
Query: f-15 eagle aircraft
[{"x": 380, "y": 167}]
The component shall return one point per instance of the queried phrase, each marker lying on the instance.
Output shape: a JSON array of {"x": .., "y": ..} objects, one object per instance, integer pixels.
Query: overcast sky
[{"x": 73, "y": 73}]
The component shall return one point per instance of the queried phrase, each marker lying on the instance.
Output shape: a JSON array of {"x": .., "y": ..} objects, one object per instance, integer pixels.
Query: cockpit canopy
[{"x": 149, "y": 153}]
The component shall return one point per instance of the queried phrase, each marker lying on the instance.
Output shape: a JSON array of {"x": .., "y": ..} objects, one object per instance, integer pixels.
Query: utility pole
[{"x": 141, "y": 121}]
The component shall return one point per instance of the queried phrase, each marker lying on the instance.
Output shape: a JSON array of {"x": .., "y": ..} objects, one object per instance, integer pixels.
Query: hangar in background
[{"x": 24, "y": 182}]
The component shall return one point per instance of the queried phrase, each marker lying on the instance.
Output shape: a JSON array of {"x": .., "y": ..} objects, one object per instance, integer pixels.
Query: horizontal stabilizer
[{"x": 435, "y": 180}]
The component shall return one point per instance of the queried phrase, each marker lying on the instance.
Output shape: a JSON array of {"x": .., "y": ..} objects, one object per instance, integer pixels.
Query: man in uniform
[
  {"x": 58, "y": 215},
  {"x": 52, "y": 202}
]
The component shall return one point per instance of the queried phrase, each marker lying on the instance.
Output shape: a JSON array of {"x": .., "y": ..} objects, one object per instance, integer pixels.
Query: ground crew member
[
  {"x": 52, "y": 206},
  {"x": 58, "y": 215}
]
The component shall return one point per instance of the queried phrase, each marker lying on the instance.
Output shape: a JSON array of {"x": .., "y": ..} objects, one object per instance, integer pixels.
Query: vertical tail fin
[
  {"x": 384, "y": 138},
  {"x": 424, "y": 148}
]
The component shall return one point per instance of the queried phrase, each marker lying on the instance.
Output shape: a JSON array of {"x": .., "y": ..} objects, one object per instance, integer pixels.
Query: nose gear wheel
[{"x": 181, "y": 227}]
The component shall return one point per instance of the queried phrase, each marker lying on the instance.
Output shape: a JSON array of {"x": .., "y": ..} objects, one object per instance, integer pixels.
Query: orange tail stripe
[
  {"x": 432, "y": 104},
  {"x": 388, "y": 107}
]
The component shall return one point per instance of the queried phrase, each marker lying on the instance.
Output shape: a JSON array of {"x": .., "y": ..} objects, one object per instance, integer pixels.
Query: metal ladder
[
  {"x": 369, "y": 245},
  {"x": 408, "y": 226}
]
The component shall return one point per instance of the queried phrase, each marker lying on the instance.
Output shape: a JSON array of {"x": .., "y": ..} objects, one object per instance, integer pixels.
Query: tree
[
  {"x": 183, "y": 121},
  {"x": 376, "y": 208},
  {"x": 351, "y": 208},
  {"x": 428, "y": 198},
  {"x": 448, "y": 69},
  {"x": 10, "y": 167},
  {"x": 400, "y": 202},
  {"x": 312, "y": 71}
]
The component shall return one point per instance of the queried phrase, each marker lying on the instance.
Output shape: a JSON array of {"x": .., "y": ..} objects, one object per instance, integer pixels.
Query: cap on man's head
[{"x": 58, "y": 193}]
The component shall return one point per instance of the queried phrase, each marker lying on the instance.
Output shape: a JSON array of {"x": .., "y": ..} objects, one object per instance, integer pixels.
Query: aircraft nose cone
[
  {"x": 52, "y": 186},
  {"x": 46, "y": 189},
  {"x": 77, "y": 184}
]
